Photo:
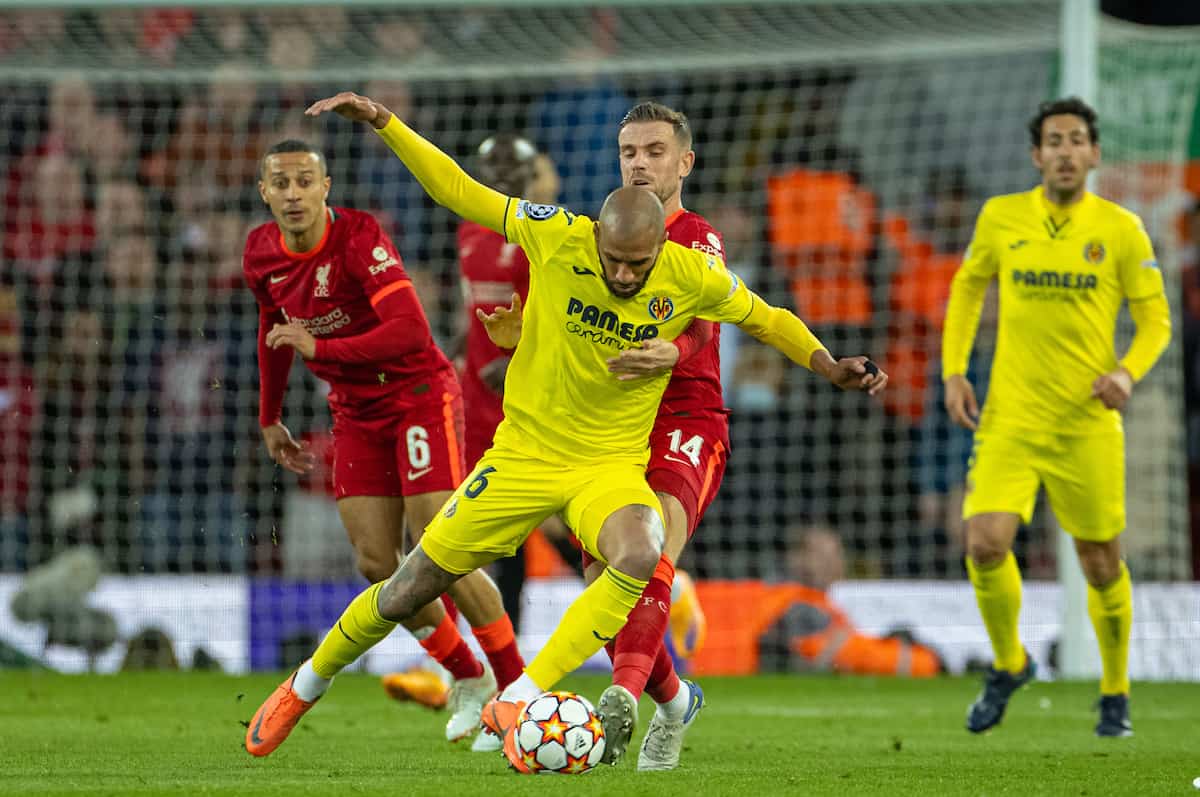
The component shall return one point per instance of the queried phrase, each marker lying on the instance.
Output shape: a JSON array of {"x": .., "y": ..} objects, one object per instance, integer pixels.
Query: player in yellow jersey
[
  {"x": 574, "y": 439},
  {"x": 1065, "y": 260}
]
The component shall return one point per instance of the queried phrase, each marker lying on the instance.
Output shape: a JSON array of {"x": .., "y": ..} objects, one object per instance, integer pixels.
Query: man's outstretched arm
[{"x": 442, "y": 178}]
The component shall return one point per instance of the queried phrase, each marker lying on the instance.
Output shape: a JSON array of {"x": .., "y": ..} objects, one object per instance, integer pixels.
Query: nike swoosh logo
[
  {"x": 596, "y": 634},
  {"x": 254, "y": 737},
  {"x": 680, "y": 461},
  {"x": 279, "y": 278},
  {"x": 579, "y": 270},
  {"x": 416, "y": 474},
  {"x": 693, "y": 707}
]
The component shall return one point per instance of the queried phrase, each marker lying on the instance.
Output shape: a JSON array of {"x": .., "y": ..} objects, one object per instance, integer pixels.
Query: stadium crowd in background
[{"x": 129, "y": 234}]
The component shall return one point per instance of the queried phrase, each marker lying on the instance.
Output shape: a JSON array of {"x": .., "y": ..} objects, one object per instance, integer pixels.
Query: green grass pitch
[{"x": 181, "y": 733}]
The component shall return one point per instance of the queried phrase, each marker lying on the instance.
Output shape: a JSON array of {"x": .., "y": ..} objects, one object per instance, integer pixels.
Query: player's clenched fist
[
  {"x": 354, "y": 107},
  {"x": 850, "y": 373},
  {"x": 503, "y": 324}
]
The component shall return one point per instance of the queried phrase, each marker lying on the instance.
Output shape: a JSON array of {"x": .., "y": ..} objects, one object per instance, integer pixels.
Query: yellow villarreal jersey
[
  {"x": 1063, "y": 273},
  {"x": 561, "y": 403}
]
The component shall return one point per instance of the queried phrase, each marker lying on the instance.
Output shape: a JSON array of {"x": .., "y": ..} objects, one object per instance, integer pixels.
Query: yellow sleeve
[
  {"x": 781, "y": 329},
  {"x": 443, "y": 179},
  {"x": 1153, "y": 319},
  {"x": 725, "y": 298},
  {"x": 540, "y": 229},
  {"x": 967, "y": 292},
  {"x": 1138, "y": 268}
]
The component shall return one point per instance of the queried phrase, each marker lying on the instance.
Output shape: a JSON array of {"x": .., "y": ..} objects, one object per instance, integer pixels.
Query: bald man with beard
[{"x": 574, "y": 437}]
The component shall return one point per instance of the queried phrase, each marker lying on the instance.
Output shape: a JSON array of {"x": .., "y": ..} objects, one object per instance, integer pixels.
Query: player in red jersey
[
  {"x": 331, "y": 286},
  {"x": 689, "y": 447}
]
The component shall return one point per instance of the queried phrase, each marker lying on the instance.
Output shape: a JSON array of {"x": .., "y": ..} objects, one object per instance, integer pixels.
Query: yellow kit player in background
[
  {"x": 574, "y": 438},
  {"x": 1065, "y": 260}
]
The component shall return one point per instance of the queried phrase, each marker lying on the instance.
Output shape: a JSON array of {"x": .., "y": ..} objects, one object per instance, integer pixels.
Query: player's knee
[
  {"x": 375, "y": 567},
  {"x": 984, "y": 552},
  {"x": 638, "y": 548}
]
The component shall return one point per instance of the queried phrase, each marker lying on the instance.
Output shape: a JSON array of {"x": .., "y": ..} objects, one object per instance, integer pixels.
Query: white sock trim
[
  {"x": 521, "y": 689},
  {"x": 307, "y": 685},
  {"x": 675, "y": 708}
]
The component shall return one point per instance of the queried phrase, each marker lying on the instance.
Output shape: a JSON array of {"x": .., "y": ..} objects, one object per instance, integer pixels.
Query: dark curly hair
[{"x": 1068, "y": 105}]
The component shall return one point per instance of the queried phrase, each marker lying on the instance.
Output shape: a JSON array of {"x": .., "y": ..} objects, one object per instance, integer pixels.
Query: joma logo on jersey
[
  {"x": 1094, "y": 252},
  {"x": 608, "y": 321},
  {"x": 1054, "y": 279},
  {"x": 661, "y": 308}
]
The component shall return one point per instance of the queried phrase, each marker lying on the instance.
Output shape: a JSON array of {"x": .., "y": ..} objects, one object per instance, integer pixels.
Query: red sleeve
[
  {"x": 404, "y": 330},
  {"x": 520, "y": 275},
  {"x": 273, "y": 364},
  {"x": 694, "y": 338},
  {"x": 273, "y": 368}
]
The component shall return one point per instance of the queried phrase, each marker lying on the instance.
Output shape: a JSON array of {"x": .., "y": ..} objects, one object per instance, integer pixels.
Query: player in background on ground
[
  {"x": 1066, "y": 260},
  {"x": 573, "y": 440},
  {"x": 330, "y": 286}
]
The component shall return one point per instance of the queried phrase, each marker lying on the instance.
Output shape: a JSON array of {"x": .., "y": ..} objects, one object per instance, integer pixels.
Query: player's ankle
[
  {"x": 676, "y": 708},
  {"x": 521, "y": 690},
  {"x": 307, "y": 685}
]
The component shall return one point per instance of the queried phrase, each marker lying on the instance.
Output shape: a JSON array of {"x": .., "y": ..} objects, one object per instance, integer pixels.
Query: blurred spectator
[
  {"x": 53, "y": 595},
  {"x": 18, "y": 407},
  {"x": 928, "y": 258},
  {"x": 217, "y": 137},
  {"x": 546, "y": 185},
  {"x": 65, "y": 502},
  {"x": 390, "y": 188},
  {"x": 70, "y": 115},
  {"x": 109, "y": 149},
  {"x": 813, "y": 635},
  {"x": 120, "y": 209},
  {"x": 33, "y": 32},
  {"x": 49, "y": 221},
  {"x": 821, "y": 226},
  {"x": 575, "y": 123}
]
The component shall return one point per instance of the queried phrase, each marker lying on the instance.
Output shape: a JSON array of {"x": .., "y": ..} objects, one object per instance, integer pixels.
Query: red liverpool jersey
[
  {"x": 695, "y": 384},
  {"x": 332, "y": 291},
  {"x": 492, "y": 270}
]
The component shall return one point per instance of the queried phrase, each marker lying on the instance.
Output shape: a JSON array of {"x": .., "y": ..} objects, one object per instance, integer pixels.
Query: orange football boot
[
  {"x": 275, "y": 719},
  {"x": 500, "y": 717},
  {"x": 419, "y": 686}
]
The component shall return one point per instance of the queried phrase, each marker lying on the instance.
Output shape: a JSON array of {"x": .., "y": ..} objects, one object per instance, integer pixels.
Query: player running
[
  {"x": 330, "y": 286},
  {"x": 573, "y": 439},
  {"x": 1065, "y": 260}
]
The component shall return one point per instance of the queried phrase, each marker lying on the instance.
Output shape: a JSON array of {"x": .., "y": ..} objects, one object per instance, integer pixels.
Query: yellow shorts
[
  {"x": 1084, "y": 477},
  {"x": 508, "y": 495}
]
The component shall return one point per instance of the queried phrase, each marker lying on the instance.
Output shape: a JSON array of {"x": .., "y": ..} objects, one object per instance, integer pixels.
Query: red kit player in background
[{"x": 331, "y": 287}]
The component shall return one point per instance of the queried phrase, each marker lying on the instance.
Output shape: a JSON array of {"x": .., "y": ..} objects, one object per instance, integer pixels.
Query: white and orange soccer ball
[{"x": 559, "y": 733}]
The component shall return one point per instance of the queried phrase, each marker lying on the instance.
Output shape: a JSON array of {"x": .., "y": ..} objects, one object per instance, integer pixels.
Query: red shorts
[
  {"x": 687, "y": 460},
  {"x": 416, "y": 449}
]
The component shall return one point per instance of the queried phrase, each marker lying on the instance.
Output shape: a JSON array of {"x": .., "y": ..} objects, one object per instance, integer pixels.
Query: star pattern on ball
[{"x": 553, "y": 730}]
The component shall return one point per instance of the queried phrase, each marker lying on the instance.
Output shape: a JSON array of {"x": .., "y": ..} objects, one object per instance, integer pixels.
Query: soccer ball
[{"x": 559, "y": 733}]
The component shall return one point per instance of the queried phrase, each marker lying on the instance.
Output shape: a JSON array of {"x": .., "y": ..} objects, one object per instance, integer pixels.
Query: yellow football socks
[
  {"x": 356, "y": 632},
  {"x": 998, "y": 593},
  {"x": 1111, "y": 610},
  {"x": 592, "y": 620}
]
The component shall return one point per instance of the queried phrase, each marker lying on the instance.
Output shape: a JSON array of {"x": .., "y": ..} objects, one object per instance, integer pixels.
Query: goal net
[{"x": 843, "y": 150}]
